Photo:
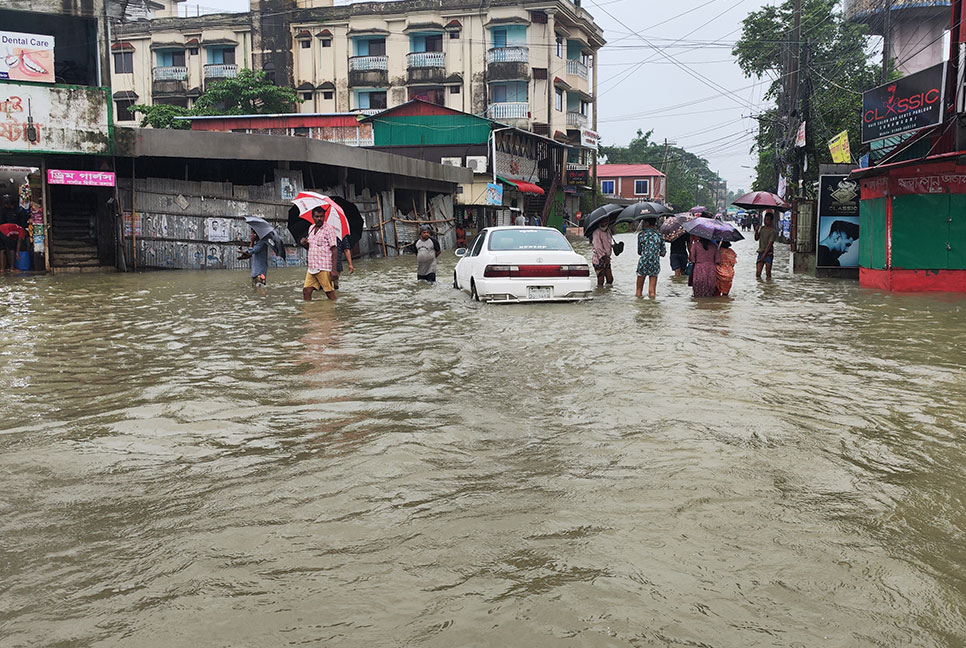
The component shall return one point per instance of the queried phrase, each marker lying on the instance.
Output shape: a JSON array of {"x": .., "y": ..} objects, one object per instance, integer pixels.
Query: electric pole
[
  {"x": 886, "y": 40},
  {"x": 796, "y": 66}
]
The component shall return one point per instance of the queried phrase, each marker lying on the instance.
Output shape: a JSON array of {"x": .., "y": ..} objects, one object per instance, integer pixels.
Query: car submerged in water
[{"x": 523, "y": 264}]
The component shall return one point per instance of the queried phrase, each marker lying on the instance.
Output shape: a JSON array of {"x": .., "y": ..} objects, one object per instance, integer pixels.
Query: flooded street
[{"x": 185, "y": 462}]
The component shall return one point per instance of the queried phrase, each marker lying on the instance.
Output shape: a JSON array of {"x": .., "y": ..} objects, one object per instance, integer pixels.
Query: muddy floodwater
[{"x": 187, "y": 463}]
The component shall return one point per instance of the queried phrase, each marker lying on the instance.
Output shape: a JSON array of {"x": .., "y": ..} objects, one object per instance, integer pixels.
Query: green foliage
[
  {"x": 835, "y": 71},
  {"x": 246, "y": 94},
  {"x": 161, "y": 116},
  {"x": 690, "y": 181}
]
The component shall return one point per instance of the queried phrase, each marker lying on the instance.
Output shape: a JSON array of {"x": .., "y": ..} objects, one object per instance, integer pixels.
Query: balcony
[
  {"x": 508, "y": 64},
  {"x": 171, "y": 73},
  {"x": 576, "y": 120},
  {"x": 369, "y": 71},
  {"x": 576, "y": 68},
  {"x": 516, "y": 54},
  {"x": 425, "y": 60},
  {"x": 369, "y": 112},
  {"x": 509, "y": 110},
  {"x": 221, "y": 71}
]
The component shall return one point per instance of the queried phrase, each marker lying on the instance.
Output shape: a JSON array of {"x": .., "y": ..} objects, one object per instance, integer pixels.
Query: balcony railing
[
  {"x": 425, "y": 60},
  {"x": 577, "y": 68},
  {"x": 576, "y": 119},
  {"x": 221, "y": 71},
  {"x": 366, "y": 63},
  {"x": 171, "y": 73},
  {"x": 368, "y": 111},
  {"x": 516, "y": 54},
  {"x": 509, "y": 110}
]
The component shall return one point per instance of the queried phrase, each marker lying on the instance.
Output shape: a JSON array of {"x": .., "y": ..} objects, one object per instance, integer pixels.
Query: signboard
[
  {"x": 518, "y": 155},
  {"x": 838, "y": 146},
  {"x": 904, "y": 105},
  {"x": 80, "y": 178},
  {"x": 26, "y": 57},
  {"x": 57, "y": 119},
  {"x": 218, "y": 230},
  {"x": 838, "y": 222},
  {"x": 578, "y": 177},
  {"x": 494, "y": 193},
  {"x": 800, "y": 136},
  {"x": 589, "y": 139}
]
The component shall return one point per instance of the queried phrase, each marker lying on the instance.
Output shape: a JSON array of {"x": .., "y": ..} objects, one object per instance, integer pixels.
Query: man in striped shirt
[{"x": 322, "y": 244}]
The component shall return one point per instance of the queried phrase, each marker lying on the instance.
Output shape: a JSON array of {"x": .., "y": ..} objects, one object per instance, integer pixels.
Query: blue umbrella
[
  {"x": 264, "y": 229},
  {"x": 714, "y": 230}
]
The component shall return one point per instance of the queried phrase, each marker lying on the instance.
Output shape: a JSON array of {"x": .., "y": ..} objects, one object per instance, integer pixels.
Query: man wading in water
[
  {"x": 322, "y": 244},
  {"x": 427, "y": 249}
]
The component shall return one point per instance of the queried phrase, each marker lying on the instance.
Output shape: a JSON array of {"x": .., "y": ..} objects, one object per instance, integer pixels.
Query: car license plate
[{"x": 540, "y": 292}]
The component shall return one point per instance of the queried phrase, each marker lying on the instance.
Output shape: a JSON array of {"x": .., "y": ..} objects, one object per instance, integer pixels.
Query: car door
[{"x": 465, "y": 269}]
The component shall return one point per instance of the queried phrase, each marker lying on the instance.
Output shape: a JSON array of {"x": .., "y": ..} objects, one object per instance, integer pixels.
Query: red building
[{"x": 633, "y": 182}]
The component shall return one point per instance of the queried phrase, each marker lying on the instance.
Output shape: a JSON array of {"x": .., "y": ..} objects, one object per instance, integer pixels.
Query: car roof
[{"x": 520, "y": 227}]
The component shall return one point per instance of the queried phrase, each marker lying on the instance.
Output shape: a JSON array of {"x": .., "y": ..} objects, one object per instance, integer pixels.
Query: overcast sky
[{"x": 668, "y": 67}]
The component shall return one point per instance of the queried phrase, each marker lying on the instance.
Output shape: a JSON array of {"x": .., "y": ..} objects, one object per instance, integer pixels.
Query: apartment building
[{"x": 531, "y": 64}]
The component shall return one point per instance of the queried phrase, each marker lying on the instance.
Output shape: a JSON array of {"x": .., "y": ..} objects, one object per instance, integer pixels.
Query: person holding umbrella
[
  {"x": 766, "y": 236},
  {"x": 602, "y": 242},
  {"x": 322, "y": 244},
  {"x": 650, "y": 245},
  {"x": 705, "y": 255},
  {"x": 262, "y": 238}
]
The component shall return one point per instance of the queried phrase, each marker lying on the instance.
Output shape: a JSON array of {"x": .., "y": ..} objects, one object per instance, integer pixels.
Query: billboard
[
  {"x": 838, "y": 222},
  {"x": 26, "y": 57},
  {"x": 904, "y": 105},
  {"x": 54, "y": 119}
]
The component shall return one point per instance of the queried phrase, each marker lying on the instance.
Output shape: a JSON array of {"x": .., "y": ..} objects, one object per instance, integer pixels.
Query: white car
[{"x": 523, "y": 264}]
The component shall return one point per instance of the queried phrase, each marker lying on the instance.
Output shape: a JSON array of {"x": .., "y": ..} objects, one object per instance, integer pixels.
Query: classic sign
[{"x": 904, "y": 105}]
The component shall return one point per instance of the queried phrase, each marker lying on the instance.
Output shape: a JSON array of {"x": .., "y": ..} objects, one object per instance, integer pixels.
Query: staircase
[{"x": 73, "y": 242}]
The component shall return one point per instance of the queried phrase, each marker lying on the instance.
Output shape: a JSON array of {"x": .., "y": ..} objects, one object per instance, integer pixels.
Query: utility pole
[
  {"x": 796, "y": 66},
  {"x": 886, "y": 40}
]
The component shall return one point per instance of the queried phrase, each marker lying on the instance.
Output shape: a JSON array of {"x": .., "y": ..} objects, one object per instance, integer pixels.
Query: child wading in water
[
  {"x": 650, "y": 245},
  {"x": 726, "y": 268}
]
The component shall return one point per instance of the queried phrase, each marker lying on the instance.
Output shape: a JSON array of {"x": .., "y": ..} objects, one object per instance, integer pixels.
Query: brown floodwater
[{"x": 186, "y": 462}]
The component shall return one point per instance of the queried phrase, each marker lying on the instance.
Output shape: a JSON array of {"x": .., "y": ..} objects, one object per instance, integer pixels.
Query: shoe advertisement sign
[{"x": 26, "y": 57}]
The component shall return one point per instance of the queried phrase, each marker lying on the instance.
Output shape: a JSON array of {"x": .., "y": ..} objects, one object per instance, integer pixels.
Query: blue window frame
[
  {"x": 607, "y": 187},
  {"x": 641, "y": 187}
]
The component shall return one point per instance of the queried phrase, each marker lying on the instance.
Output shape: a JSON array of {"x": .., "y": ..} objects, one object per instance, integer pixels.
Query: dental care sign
[
  {"x": 904, "y": 105},
  {"x": 45, "y": 119},
  {"x": 26, "y": 57}
]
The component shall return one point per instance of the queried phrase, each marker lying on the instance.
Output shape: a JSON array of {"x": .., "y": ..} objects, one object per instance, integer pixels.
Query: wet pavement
[{"x": 185, "y": 462}]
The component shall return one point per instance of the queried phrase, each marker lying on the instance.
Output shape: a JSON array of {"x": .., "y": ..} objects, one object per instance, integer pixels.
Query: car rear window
[{"x": 528, "y": 239}]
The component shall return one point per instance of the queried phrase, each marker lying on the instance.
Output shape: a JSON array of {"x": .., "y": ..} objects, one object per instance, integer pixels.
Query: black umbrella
[
  {"x": 276, "y": 242},
  {"x": 353, "y": 215},
  {"x": 597, "y": 216},
  {"x": 642, "y": 210},
  {"x": 298, "y": 226}
]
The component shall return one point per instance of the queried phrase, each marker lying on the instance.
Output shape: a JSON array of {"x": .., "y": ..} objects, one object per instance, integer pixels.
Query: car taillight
[{"x": 536, "y": 271}]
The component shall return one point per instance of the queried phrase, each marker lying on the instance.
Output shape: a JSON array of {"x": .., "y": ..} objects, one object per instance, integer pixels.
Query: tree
[
  {"x": 161, "y": 116},
  {"x": 834, "y": 72},
  {"x": 246, "y": 94},
  {"x": 689, "y": 180}
]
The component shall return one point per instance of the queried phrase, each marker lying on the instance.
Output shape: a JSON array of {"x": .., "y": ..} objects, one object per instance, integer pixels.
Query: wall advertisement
[
  {"x": 58, "y": 119},
  {"x": 837, "y": 234},
  {"x": 904, "y": 105},
  {"x": 26, "y": 57}
]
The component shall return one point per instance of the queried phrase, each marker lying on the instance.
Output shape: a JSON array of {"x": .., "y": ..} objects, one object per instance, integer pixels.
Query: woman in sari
[{"x": 705, "y": 256}]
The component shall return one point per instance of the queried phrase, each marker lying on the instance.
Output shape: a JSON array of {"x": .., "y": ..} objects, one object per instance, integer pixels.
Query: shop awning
[{"x": 523, "y": 187}]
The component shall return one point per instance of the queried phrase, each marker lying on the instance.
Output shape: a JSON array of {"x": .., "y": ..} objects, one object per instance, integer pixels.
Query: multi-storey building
[{"x": 526, "y": 63}]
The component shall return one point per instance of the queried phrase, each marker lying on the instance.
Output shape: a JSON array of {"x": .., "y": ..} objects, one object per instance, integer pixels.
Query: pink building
[{"x": 631, "y": 182}]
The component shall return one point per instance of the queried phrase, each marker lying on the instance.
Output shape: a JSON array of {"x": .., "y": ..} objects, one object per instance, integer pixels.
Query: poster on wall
[
  {"x": 217, "y": 230},
  {"x": 494, "y": 194},
  {"x": 838, "y": 223},
  {"x": 904, "y": 105},
  {"x": 288, "y": 183},
  {"x": 26, "y": 57}
]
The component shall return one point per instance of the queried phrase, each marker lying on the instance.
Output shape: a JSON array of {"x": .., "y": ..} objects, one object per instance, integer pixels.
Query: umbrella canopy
[
  {"x": 353, "y": 216},
  {"x": 715, "y": 230},
  {"x": 760, "y": 199},
  {"x": 276, "y": 242},
  {"x": 698, "y": 209},
  {"x": 596, "y": 217},
  {"x": 306, "y": 201},
  {"x": 673, "y": 226},
  {"x": 297, "y": 225},
  {"x": 640, "y": 211},
  {"x": 261, "y": 226}
]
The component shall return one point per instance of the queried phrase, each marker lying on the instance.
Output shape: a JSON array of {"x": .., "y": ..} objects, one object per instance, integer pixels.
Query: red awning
[{"x": 524, "y": 187}]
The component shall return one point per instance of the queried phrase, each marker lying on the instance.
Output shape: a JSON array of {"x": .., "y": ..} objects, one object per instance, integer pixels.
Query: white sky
[{"x": 679, "y": 80}]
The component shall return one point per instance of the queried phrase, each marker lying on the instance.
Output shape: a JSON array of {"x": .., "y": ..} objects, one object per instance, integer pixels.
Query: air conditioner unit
[
  {"x": 477, "y": 163},
  {"x": 452, "y": 161}
]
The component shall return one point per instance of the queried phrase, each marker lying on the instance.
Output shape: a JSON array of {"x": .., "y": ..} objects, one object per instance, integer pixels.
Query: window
[
  {"x": 122, "y": 110},
  {"x": 124, "y": 63},
  {"x": 536, "y": 239},
  {"x": 170, "y": 58},
  {"x": 371, "y": 100},
  {"x": 558, "y": 99},
  {"x": 641, "y": 187},
  {"x": 478, "y": 244},
  {"x": 307, "y": 96},
  {"x": 607, "y": 187},
  {"x": 499, "y": 37},
  {"x": 511, "y": 91},
  {"x": 372, "y": 47},
  {"x": 453, "y": 35},
  {"x": 221, "y": 55},
  {"x": 583, "y": 108},
  {"x": 454, "y": 89},
  {"x": 326, "y": 42},
  {"x": 559, "y": 47},
  {"x": 301, "y": 131},
  {"x": 305, "y": 43},
  {"x": 327, "y": 95},
  {"x": 193, "y": 51}
]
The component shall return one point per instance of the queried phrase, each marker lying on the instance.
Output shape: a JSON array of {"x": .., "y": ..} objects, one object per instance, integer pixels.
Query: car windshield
[{"x": 528, "y": 239}]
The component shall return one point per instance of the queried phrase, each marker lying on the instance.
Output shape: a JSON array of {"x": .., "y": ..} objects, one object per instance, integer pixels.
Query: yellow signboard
[{"x": 839, "y": 147}]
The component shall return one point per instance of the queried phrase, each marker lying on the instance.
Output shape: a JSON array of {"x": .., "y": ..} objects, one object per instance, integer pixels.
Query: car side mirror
[{"x": 460, "y": 252}]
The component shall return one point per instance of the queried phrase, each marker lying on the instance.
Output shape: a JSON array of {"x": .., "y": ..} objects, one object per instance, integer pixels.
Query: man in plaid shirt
[{"x": 322, "y": 244}]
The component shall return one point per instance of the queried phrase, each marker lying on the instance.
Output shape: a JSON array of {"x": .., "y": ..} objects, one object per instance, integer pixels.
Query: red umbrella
[
  {"x": 335, "y": 218},
  {"x": 759, "y": 199}
]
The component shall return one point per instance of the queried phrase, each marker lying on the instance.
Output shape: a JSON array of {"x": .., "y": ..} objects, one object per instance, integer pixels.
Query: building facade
[{"x": 635, "y": 182}]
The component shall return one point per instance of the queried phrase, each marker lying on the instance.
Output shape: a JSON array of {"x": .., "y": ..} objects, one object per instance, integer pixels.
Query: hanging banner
[
  {"x": 26, "y": 57},
  {"x": 800, "y": 137},
  {"x": 904, "y": 105},
  {"x": 838, "y": 146},
  {"x": 838, "y": 222},
  {"x": 494, "y": 193},
  {"x": 782, "y": 186}
]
